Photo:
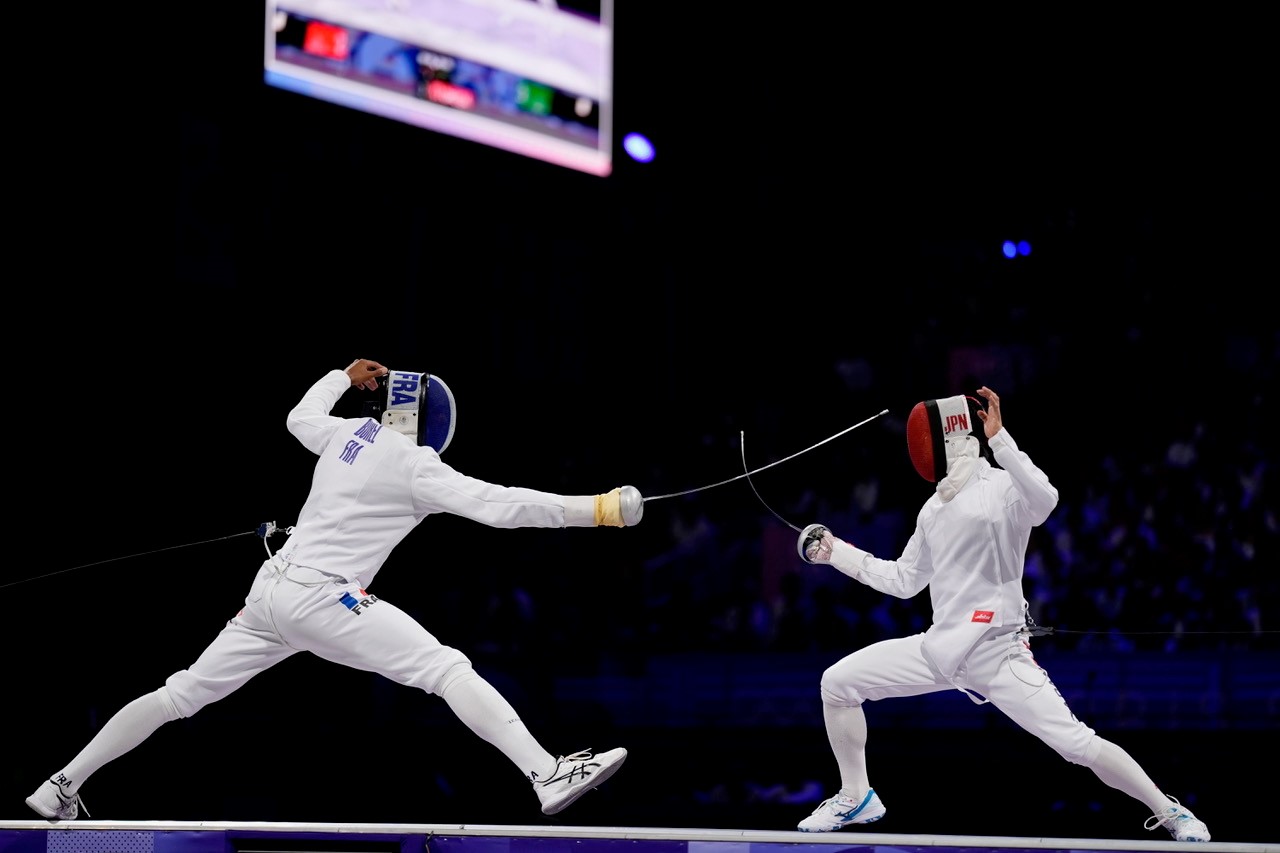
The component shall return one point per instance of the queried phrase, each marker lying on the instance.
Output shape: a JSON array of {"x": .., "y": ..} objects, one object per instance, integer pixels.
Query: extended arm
[
  {"x": 902, "y": 578},
  {"x": 440, "y": 488}
]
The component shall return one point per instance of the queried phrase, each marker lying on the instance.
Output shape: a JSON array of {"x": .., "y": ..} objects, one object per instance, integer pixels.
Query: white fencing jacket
[
  {"x": 372, "y": 485},
  {"x": 969, "y": 551}
]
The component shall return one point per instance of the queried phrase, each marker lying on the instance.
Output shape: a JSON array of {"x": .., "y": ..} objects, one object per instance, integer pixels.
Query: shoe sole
[
  {"x": 846, "y": 823},
  {"x": 599, "y": 779}
]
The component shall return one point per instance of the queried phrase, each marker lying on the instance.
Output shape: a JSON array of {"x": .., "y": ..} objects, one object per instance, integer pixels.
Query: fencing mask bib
[
  {"x": 945, "y": 429},
  {"x": 419, "y": 405}
]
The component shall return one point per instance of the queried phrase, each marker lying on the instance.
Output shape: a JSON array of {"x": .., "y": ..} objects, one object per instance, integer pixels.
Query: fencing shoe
[
  {"x": 1181, "y": 823},
  {"x": 574, "y": 776},
  {"x": 52, "y": 801},
  {"x": 840, "y": 811}
]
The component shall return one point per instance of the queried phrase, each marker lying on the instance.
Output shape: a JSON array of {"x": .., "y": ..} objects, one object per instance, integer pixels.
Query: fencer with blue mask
[{"x": 377, "y": 477}]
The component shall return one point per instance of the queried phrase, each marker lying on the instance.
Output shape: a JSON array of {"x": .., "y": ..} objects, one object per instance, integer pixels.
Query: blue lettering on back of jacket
[{"x": 368, "y": 431}]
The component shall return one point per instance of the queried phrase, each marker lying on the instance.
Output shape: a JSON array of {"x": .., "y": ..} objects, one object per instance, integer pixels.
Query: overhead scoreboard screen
[{"x": 534, "y": 77}]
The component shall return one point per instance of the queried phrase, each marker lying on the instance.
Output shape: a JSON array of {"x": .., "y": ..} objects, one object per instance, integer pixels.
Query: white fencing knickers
[
  {"x": 1000, "y": 668},
  {"x": 293, "y": 609}
]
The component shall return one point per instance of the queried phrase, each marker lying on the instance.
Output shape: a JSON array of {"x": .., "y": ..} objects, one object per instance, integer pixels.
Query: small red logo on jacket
[{"x": 983, "y": 615}]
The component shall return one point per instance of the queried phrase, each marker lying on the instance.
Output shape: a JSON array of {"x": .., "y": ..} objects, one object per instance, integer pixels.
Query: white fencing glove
[
  {"x": 815, "y": 544},
  {"x": 818, "y": 545}
]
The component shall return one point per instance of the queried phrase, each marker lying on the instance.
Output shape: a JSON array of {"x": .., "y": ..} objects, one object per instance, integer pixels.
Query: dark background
[{"x": 817, "y": 241}]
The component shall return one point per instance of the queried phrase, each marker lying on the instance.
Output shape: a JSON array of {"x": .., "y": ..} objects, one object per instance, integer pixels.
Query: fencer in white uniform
[
  {"x": 968, "y": 548},
  {"x": 375, "y": 480}
]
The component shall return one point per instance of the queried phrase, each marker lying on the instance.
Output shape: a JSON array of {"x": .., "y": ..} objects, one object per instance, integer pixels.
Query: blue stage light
[{"x": 640, "y": 148}]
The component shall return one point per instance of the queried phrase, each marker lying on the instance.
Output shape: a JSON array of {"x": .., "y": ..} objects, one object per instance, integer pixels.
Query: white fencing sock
[
  {"x": 130, "y": 726},
  {"x": 847, "y": 733},
  {"x": 483, "y": 709},
  {"x": 1119, "y": 770}
]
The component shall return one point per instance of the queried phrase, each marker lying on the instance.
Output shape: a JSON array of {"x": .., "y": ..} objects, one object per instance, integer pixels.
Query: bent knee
[
  {"x": 428, "y": 666},
  {"x": 837, "y": 693},
  {"x": 185, "y": 693},
  {"x": 459, "y": 673},
  {"x": 169, "y": 704}
]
